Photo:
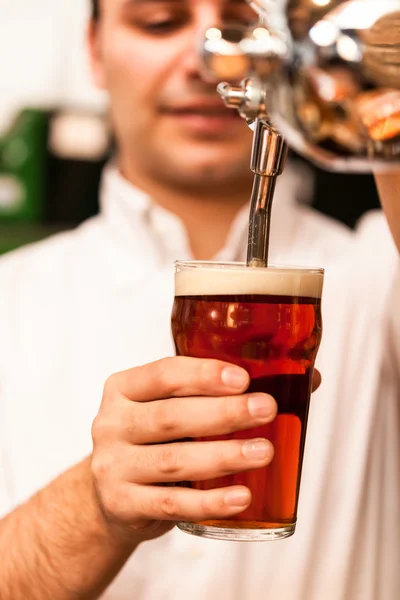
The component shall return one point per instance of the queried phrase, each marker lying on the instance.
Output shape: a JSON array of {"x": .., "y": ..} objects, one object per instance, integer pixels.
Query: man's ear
[{"x": 95, "y": 54}]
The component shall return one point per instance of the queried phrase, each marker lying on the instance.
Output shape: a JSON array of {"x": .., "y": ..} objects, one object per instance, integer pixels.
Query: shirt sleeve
[
  {"x": 6, "y": 477},
  {"x": 5, "y": 499},
  {"x": 5, "y": 474}
]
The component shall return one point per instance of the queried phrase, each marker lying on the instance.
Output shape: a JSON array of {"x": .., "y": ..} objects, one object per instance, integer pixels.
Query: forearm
[
  {"x": 58, "y": 545},
  {"x": 389, "y": 191}
]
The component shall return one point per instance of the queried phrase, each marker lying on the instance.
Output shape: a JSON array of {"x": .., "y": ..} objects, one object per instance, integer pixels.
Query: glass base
[{"x": 237, "y": 535}]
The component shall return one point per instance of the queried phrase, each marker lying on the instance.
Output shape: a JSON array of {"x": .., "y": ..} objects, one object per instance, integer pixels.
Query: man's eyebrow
[{"x": 140, "y": 2}]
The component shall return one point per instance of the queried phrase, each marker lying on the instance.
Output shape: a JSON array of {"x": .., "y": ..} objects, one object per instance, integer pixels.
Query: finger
[
  {"x": 180, "y": 376},
  {"x": 317, "y": 379},
  {"x": 140, "y": 502},
  {"x": 168, "y": 420},
  {"x": 194, "y": 461}
]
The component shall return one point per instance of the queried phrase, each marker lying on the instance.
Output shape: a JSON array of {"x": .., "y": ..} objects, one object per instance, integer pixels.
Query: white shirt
[{"x": 84, "y": 304}]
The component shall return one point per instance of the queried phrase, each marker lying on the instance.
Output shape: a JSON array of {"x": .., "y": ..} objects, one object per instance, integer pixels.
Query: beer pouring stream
[{"x": 325, "y": 76}]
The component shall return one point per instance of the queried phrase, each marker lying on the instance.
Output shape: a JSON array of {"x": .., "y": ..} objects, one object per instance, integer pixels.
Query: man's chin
[
  {"x": 200, "y": 161},
  {"x": 220, "y": 171},
  {"x": 209, "y": 155}
]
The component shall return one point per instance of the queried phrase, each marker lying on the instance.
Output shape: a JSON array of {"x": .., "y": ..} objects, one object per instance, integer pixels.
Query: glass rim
[{"x": 240, "y": 265}]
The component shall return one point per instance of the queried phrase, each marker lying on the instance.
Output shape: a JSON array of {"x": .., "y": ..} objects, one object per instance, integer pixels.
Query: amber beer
[{"x": 269, "y": 322}]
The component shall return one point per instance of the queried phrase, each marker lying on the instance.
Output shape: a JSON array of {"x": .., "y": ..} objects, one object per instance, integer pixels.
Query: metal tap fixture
[{"x": 325, "y": 74}]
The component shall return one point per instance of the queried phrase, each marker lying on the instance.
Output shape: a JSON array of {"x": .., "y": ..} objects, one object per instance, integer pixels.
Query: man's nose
[
  {"x": 208, "y": 16},
  {"x": 193, "y": 62}
]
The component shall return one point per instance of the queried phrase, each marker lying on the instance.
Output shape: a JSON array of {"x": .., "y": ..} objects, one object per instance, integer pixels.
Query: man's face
[{"x": 167, "y": 118}]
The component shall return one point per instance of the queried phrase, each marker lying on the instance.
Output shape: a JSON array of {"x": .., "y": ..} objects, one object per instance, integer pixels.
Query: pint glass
[{"x": 268, "y": 321}]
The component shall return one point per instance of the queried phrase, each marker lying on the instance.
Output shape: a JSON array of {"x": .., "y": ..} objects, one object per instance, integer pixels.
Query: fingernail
[
  {"x": 237, "y": 498},
  {"x": 260, "y": 406},
  {"x": 256, "y": 449},
  {"x": 234, "y": 377}
]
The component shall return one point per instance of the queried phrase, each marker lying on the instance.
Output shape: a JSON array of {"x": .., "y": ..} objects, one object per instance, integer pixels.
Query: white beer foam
[{"x": 207, "y": 280}]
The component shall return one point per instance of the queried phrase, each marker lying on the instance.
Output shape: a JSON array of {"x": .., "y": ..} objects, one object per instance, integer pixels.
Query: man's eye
[
  {"x": 161, "y": 22},
  {"x": 163, "y": 27}
]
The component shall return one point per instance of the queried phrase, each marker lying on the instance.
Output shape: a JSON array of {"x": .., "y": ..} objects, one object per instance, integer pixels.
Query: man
[{"x": 81, "y": 306}]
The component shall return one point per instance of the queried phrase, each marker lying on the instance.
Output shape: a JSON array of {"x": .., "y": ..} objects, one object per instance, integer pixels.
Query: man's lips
[
  {"x": 204, "y": 118},
  {"x": 198, "y": 110}
]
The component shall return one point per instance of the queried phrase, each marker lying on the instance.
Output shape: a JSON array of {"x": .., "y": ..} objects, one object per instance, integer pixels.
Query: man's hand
[
  {"x": 136, "y": 453},
  {"x": 63, "y": 543}
]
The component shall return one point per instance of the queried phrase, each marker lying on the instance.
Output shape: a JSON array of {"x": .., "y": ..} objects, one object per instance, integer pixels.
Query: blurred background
[{"x": 54, "y": 134}]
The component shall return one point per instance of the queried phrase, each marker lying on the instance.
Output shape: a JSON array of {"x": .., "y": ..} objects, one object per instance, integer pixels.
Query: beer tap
[
  {"x": 237, "y": 51},
  {"x": 325, "y": 76},
  {"x": 267, "y": 163}
]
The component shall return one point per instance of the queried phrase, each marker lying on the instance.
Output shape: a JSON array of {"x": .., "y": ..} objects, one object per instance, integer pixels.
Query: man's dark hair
[{"x": 95, "y": 9}]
